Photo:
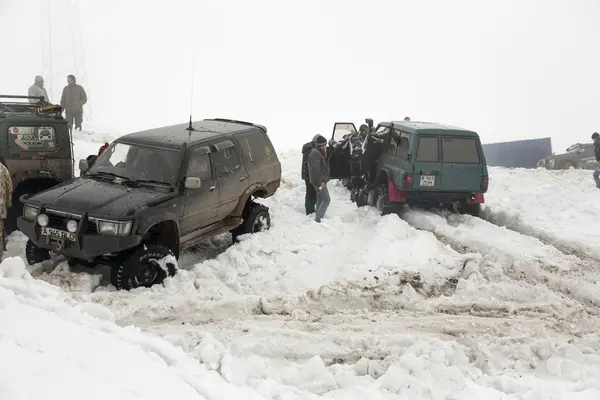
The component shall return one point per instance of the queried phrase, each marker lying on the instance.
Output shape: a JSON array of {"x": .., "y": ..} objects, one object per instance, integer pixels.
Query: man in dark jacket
[
  {"x": 310, "y": 198},
  {"x": 596, "y": 139},
  {"x": 318, "y": 173}
]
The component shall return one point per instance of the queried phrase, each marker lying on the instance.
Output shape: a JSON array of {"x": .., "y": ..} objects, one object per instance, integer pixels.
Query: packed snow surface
[{"x": 426, "y": 305}]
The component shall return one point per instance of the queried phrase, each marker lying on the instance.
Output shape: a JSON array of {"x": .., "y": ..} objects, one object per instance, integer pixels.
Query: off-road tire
[
  {"x": 372, "y": 196},
  {"x": 382, "y": 204},
  {"x": 472, "y": 209},
  {"x": 35, "y": 254},
  {"x": 361, "y": 198},
  {"x": 256, "y": 218},
  {"x": 140, "y": 267}
]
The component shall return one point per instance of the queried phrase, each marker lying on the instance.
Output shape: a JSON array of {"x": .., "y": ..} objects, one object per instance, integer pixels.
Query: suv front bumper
[{"x": 86, "y": 246}]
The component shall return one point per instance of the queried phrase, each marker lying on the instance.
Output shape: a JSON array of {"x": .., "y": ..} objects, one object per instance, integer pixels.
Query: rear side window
[
  {"x": 225, "y": 161},
  {"x": 428, "y": 150},
  {"x": 255, "y": 147},
  {"x": 32, "y": 138},
  {"x": 460, "y": 150}
]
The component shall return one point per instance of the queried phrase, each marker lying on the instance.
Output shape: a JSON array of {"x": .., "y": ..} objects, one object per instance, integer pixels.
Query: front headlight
[
  {"x": 30, "y": 212},
  {"x": 114, "y": 228}
]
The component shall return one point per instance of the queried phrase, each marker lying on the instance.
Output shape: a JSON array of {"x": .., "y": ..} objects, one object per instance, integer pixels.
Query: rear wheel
[
  {"x": 361, "y": 198},
  {"x": 382, "y": 203},
  {"x": 35, "y": 254},
  {"x": 147, "y": 265},
  {"x": 472, "y": 209},
  {"x": 256, "y": 218}
]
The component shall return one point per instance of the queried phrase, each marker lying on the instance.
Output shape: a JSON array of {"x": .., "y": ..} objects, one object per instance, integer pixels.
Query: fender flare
[{"x": 238, "y": 211}]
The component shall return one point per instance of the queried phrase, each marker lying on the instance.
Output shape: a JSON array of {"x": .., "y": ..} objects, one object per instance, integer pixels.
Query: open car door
[{"x": 338, "y": 154}]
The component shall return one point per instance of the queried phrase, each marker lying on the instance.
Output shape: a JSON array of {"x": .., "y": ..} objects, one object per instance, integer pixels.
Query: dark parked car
[
  {"x": 412, "y": 163},
  {"x": 580, "y": 156},
  {"x": 152, "y": 194}
]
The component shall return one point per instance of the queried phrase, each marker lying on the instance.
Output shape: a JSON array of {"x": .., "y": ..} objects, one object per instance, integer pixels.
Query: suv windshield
[{"x": 139, "y": 163}]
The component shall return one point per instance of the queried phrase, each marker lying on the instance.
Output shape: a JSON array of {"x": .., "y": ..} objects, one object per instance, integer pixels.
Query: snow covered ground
[{"x": 422, "y": 306}]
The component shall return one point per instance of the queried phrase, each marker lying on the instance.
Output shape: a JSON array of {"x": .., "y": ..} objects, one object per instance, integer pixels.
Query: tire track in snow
[
  {"x": 514, "y": 223},
  {"x": 523, "y": 257}
]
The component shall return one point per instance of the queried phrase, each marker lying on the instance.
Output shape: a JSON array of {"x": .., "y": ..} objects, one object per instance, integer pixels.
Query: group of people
[
  {"x": 72, "y": 100},
  {"x": 315, "y": 173}
]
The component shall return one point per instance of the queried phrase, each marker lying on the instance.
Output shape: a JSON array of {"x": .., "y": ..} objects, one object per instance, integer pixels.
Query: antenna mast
[{"x": 191, "y": 128}]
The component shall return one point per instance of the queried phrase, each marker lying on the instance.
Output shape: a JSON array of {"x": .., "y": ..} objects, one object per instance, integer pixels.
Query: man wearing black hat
[
  {"x": 318, "y": 173},
  {"x": 596, "y": 139},
  {"x": 310, "y": 198}
]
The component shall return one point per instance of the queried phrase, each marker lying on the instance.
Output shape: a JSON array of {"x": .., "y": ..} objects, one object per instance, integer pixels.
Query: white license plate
[
  {"x": 427, "y": 180},
  {"x": 59, "y": 234}
]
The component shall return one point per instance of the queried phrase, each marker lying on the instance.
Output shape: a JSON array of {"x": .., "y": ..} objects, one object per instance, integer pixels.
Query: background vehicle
[
  {"x": 152, "y": 194},
  {"x": 577, "y": 156},
  {"x": 412, "y": 163},
  {"x": 37, "y": 147}
]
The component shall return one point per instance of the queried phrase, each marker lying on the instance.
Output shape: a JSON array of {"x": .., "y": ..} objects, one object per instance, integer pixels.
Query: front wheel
[
  {"x": 147, "y": 265},
  {"x": 35, "y": 254},
  {"x": 256, "y": 219}
]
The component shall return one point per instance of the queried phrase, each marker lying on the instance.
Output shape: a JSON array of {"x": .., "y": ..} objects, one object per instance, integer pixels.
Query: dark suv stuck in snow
[
  {"x": 412, "y": 163},
  {"x": 151, "y": 195}
]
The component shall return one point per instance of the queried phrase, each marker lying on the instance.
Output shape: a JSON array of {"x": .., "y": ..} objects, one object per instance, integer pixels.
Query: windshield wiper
[
  {"x": 153, "y": 182},
  {"x": 112, "y": 174}
]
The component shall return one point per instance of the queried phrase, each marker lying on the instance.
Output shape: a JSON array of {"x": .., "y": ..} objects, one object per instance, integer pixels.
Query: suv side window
[
  {"x": 226, "y": 161},
  {"x": 199, "y": 166},
  {"x": 255, "y": 147},
  {"x": 403, "y": 145},
  {"x": 391, "y": 145},
  {"x": 428, "y": 149}
]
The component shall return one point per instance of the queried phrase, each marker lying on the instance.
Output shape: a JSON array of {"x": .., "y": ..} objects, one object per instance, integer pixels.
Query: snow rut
[{"x": 521, "y": 258}]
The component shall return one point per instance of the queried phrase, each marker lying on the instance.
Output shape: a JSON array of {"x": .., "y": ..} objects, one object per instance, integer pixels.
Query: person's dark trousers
[{"x": 310, "y": 199}]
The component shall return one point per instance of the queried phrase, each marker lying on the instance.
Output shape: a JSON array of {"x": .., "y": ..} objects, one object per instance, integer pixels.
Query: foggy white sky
[{"x": 507, "y": 69}]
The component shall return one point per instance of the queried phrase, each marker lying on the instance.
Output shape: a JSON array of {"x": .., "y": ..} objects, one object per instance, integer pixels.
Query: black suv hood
[{"x": 97, "y": 197}]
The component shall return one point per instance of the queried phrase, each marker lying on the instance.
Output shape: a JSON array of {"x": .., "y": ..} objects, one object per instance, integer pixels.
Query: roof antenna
[{"x": 190, "y": 128}]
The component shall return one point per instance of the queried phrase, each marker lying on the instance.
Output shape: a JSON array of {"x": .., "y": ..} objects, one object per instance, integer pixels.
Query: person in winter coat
[
  {"x": 318, "y": 173},
  {"x": 38, "y": 90},
  {"x": 72, "y": 101},
  {"x": 596, "y": 139},
  {"x": 310, "y": 198},
  {"x": 6, "y": 192}
]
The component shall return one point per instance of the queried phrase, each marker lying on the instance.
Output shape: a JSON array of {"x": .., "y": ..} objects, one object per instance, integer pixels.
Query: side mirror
[
  {"x": 369, "y": 122},
  {"x": 192, "y": 183},
  {"x": 83, "y": 165}
]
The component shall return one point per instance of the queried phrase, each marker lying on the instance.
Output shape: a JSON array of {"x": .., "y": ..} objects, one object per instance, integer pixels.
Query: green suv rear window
[
  {"x": 31, "y": 138},
  {"x": 460, "y": 150}
]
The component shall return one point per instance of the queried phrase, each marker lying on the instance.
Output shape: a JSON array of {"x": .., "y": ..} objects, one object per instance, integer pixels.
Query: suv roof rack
[
  {"x": 40, "y": 108},
  {"x": 235, "y": 121}
]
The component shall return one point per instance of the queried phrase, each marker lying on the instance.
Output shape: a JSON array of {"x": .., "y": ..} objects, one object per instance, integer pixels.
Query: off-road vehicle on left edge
[
  {"x": 152, "y": 194},
  {"x": 37, "y": 147}
]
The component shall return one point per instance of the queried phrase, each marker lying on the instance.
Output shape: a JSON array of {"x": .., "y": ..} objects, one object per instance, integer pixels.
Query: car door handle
[
  {"x": 212, "y": 188},
  {"x": 243, "y": 178},
  {"x": 429, "y": 173}
]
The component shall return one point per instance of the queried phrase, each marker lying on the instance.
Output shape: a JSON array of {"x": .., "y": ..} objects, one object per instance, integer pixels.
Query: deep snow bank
[
  {"x": 51, "y": 350},
  {"x": 560, "y": 207}
]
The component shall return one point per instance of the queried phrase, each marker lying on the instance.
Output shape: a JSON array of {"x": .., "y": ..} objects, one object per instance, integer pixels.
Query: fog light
[
  {"x": 72, "y": 226},
  {"x": 42, "y": 220}
]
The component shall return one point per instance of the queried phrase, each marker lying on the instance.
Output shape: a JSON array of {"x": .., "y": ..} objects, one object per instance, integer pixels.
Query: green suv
[
  {"x": 37, "y": 147},
  {"x": 412, "y": 163}
]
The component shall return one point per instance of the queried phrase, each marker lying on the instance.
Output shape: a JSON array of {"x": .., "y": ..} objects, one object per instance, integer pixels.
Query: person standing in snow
[
  {"x": 596, "y": 139},
  {"x": 310, "y": 197},
  {"x": 72, "y": 101},
  {"x": 38, "y": 90},
  {"x": 6, "y": 189},
  {"x": 318, "y": 173}
]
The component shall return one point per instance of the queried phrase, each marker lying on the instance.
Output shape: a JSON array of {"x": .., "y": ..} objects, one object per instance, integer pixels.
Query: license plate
[
  {"x": 59, "y": 234},
  {"x": 427, "y": 180}
]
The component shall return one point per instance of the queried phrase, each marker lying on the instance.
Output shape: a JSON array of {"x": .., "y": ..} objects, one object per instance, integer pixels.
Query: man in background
[
  {"x": 38, "y": 90},
  {"x": 310, "y": 197},
  {"x": 318, "y": 172},
  {"x": 596, "y": 139},
  {"x": 72, "y": 101},
  {"x": 6, "y": 189}
]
